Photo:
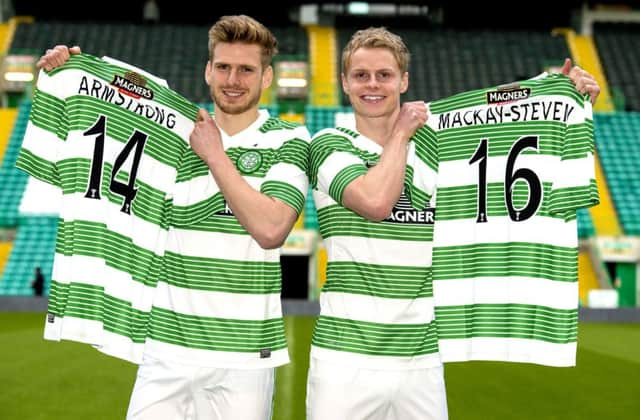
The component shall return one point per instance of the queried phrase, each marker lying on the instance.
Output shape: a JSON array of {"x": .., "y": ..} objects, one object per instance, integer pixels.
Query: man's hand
[
  {"x": 56, "y": 57},
  {"x": 205, "y": 137},
  {"x": 584, "y": 81},
  {"x": 412, "y": 116}
]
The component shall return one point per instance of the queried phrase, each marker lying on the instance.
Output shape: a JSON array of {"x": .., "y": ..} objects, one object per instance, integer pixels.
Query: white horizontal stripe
[
  {"x": 53, "y": 330},
  {"x": 500, "y": 229},
  {"x": 508, "y": 350},
  {"x": 143, "y": 234},
  {"x": 74, "y": 329},
  {"x": 378, "y": 251},
  {"x": 576, "y": 116},
  {"x": 196, "y": 243},
  {"x": 150, "y": 171},
  {"x": 195, "y": 190},
  {"x": 122, "y": 347},
  {"x": 424, "y": 178},
  {"x": 376, "y": 362},
  {"x": 333, "y": 164},
  {"x": 460, "y": 172},
  {"x": 61, "y": 84},
  {"x": 94, "y": 271},
  {"x": 576, "y": 172},
  {"x": 519, "y": 290},
  {"x": 363, "y": 142},
  {"x": 41, "y": 143},
  {"x": 289, "y": 174},
  {"x": 375, "y": 309},
  {"x": 322, "y": 199},
  {"x": 223, "y": 359},
  {"x": 217, "y": 304},
  {"x": 40, "y": 198},
  {"x": 67, "y": 83}
]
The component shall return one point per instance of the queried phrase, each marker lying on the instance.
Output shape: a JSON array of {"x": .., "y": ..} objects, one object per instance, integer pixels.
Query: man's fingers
[
  {"x": 75, "y": 50},
  {"x": 203, "y": 115},
  {"x": 566, "y": 67}
]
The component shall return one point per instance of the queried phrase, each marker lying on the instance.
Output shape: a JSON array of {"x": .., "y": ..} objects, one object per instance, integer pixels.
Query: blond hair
[
  {"x": 246, "y": 30},
  {"x": 376, "y": 38}
]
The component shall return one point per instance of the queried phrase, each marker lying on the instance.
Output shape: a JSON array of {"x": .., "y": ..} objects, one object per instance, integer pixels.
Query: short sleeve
[
  {"x": 422, "y": 164},
  {"x": 575, "y": 184},
  {"x": 46, "y": 130},
  {"x": 334, "y": 163},
  {"x": 287, "y": 179}
]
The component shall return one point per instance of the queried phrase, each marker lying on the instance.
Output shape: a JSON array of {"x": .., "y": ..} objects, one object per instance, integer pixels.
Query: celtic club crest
[{"x": 249, "y": 161}]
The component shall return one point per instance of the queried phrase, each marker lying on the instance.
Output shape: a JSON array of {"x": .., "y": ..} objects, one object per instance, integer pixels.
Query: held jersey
[
  {"x": 376, "y": 307},
  {"x": 114, "y": 141},
  {"x": 218, "y": 300},
  {"x": 515, "y": 163}
]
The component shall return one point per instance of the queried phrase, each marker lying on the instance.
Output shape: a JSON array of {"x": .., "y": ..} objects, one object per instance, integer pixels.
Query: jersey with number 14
[
  {"x": 515, "y": 163},
  {"x": 114, "y": 141}
]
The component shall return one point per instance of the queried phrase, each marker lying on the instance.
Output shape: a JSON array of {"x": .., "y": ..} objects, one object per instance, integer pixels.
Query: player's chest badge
[{"x": 249, "y": 161}]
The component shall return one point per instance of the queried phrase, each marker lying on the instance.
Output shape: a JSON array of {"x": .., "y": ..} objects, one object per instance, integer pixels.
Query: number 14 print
[{"x": 128, "y": 190}]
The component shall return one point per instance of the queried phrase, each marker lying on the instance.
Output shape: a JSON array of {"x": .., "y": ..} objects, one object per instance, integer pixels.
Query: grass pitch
[{"x": 68, "y": 381}]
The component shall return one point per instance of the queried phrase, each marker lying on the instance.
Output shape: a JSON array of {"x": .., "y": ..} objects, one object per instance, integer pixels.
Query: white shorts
[
  {"x": 175, "y": 391},
  {"x": 342, "y": 392}
]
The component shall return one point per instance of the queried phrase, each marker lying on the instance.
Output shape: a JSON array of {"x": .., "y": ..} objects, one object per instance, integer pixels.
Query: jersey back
[
  {"x": 514, "y": 165},
  {"x": 114, "y": 142}
]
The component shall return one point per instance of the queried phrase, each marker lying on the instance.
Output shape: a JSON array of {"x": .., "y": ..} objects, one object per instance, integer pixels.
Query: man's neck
[
  {"x": 232, "y": 124},
  {"x": 378, "y": 129}
]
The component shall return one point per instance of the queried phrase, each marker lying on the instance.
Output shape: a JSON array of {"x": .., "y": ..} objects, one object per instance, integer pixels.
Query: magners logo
[
  {"x": 404, "y": 213},
  {"x": 508, "y": 93},
  {"x": 132, "y": 84}
]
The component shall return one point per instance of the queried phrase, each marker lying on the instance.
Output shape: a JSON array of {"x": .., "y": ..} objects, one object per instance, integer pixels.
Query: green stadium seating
[
  {"x": 13, "y": 180},
  {"x": 447, "y": 61},
  {"x": 619, "y": 49},
  {"x": 34, "y": 246},
  {"x": 618, "y": 143},
  {"x": 177, "y": 53}
]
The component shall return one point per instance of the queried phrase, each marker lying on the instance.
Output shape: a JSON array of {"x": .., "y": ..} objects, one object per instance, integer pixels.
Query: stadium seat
[
  {"x": 617, "y": 137},
  {"x": 13, "y": 180},
  {"x": 619, "y": 48}
]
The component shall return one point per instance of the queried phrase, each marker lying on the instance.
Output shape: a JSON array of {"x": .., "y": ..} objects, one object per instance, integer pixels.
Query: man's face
[
  {"x": 374, "y": 82},
  {"x": 236, "y": 78}
]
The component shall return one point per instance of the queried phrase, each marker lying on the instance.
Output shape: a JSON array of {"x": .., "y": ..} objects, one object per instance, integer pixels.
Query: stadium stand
[
  {"x": 34, "y": 246},
  {"x": 619, "y": 48},
  {"x": 618, "y": 143},
  {"x": 13, "y": 180},
  {"x": 445, "y": 62},
  {"x": 184, "y": 47}
]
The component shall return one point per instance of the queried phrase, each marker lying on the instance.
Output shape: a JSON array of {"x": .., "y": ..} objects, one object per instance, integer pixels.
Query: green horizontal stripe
[
  {"x": 508, "y": 321},
  {"x": 336, "y": 220},
  {"x": 89, "y": 302},
  {"x": 216, "y": 334},
  {"x": 230, "y": 276},
  {"x": 149, "y": 203},
  {"x": 573, "y": 198},
  {"x": 393, "y": 282},
  {"x": 324, "y": 145},
  {"x": 284, "y": 192},
  {"x": 398, "y": 340},
  {"x": 106, "y": 71},
  {"x": 504, "y": 260},
  {"x": 92, "y": 239},
  {"x": 461, "y": 202},
  {"x": 46, "y": 111},
  {"x": 343, "y": 179},
  {"x": 37, "y": 167},
  {"x": 163, "y": 144}
]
